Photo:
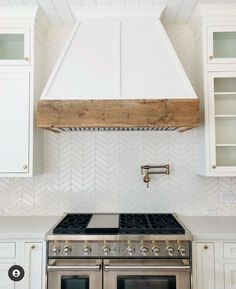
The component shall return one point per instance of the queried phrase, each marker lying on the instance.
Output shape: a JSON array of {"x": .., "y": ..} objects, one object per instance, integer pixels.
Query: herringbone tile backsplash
[{"x": 100, "y": 171}]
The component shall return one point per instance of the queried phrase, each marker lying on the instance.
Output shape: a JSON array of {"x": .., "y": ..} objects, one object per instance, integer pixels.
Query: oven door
[
  {"x": 74, "y": 273},
  {"x": 152, "y": 274}
]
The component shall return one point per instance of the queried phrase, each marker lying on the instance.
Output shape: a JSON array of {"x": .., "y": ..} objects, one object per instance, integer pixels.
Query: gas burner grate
[
  {"x": 165, "y": 224},
  {"x": 133, "y": 224},
  {"x": 73, "y": 224},
  {"x": 149, "y": 224}
]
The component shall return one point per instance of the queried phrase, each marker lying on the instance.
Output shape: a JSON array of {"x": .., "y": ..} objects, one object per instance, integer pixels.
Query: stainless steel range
[{"x": 119, "y": 251}]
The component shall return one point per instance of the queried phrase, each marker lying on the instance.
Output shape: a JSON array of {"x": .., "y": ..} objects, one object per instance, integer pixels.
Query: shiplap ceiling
[{"x": 59, "y": 12}]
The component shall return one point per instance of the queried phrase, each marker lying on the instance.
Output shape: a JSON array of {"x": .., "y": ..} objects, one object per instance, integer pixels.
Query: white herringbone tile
[
  {"x": 16, "y": 202},
  {"x": 4, "y": 196}
]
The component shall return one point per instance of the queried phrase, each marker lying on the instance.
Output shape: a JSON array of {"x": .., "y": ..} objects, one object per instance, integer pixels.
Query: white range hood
[{"x": 122, "y": 55}]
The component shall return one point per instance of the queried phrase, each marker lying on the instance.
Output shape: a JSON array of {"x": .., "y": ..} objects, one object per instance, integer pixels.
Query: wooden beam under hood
[{"x": 146, "y": 113}]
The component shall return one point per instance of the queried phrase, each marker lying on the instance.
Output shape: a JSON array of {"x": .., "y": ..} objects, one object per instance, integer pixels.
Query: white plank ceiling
[{"x": 59, "y": 12}]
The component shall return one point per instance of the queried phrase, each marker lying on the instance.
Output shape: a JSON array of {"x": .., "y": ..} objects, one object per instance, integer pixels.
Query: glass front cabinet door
[
  {"x": 222, "y": 120},
  {"x": 14, "y": 46},
  {"x": 221, "y": 44}
]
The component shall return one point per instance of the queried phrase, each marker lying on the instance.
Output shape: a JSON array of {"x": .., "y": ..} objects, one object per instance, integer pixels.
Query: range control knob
[
  {"x": 170, "y": 250},
  {"x": 155, "y": 250},
  {"x": 106, "y": 250},
  {"x": 87, "y": 250},
  {"x": 182, "y": 250},
  {"x": 144, "y": 250},
  {"x": 67, "y": 249},
  {"x": 130, "y": 250},
  {"x": 56, "y": 249}
]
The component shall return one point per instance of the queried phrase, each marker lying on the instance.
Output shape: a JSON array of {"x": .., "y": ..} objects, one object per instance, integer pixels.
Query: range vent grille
[{"x": 118, "y": 129}]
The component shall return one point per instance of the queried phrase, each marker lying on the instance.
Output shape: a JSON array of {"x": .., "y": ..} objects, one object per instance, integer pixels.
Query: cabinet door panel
[
  {"x": 205, "y": 266},
  {"x": 222, "y": 44},
  {"x": 222, "y": 122},
  {"x": 33, "y": 265},
  {"x": 230, "y": 276},
  {"x": 14, "y": 46},
  {"x": 230, "y": 250},
  {"x": 5, "y": 282},
  {"x": 14, "y": 123}
]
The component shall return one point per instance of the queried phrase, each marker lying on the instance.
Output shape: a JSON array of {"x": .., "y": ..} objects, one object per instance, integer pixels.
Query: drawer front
[
  {"x": 230, "y": 250},
  {"x": 7, "y": 250}
]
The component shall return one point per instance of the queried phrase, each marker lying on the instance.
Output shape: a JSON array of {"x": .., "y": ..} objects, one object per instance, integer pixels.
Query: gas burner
[
  {"x": 134, "y": 224},
  {"x": 149, "y": 224},
  {"x": 165, "y": 224},
  {"x": 73, "y": 224}
]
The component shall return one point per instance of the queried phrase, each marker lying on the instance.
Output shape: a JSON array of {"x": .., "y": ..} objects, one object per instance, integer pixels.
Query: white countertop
[
  {"x": 35, "y": 227},
  {"x": 32, "y": 227},
  {"x": 210, "y": 227}
]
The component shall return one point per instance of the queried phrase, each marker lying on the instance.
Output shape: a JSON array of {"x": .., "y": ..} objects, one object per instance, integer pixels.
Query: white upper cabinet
[
  {"x": 21, "y": 49},
  {"x": 222, "y": 119},
  {"x": 214, "y": 28},
  {"x": 221, "y": 44},
  {"x": 14, "y": 46},
  {"x": 14, "y": 122}
]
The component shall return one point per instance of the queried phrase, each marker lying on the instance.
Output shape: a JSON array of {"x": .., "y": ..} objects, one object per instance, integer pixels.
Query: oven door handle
[
  {"x": 143, "y": 268},
  {"x": 96, "y": 268}
]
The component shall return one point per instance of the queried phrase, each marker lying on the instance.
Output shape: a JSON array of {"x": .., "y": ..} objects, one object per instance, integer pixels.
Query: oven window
[
  {"x": 74, "y": 282},
  {"x": 146, "y": 282}
]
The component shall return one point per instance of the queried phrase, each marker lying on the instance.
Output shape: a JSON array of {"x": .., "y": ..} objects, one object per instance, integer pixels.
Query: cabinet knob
[
  {"x": 213, "y": 166},
  {"x": 26, "y": 58},
  {"x": 25, "y": 167},
  {"x": 211, "y": 57},
  {"x": 205, "y": 247},
  {"x": 32, "y": 247}
]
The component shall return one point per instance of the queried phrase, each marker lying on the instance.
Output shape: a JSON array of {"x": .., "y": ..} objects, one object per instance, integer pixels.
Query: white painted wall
[{"x": 100, "y": 171}]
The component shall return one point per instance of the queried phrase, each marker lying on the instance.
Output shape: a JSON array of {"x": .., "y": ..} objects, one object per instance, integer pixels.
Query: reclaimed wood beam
[{"x": 180, "y": 113}]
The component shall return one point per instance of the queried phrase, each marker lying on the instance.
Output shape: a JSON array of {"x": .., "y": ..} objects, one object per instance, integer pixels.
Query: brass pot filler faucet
[{"x": 164, "y": 169}]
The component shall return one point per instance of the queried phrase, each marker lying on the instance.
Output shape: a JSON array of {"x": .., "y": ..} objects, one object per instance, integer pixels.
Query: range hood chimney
[{"x": 118, "y": 71}]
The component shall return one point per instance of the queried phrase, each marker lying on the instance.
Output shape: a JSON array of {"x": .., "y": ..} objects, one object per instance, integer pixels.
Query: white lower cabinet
[
  {"x": 214, "y": 265},
  {"x": 204, "y": 269},
  {"x": 29, "y": 255},
  {"x": 7, "y": 250},
  {"x": 33, "y": 264},
  {"x": 230, "y": 275},
  {"x": 5, "y": 282}
]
